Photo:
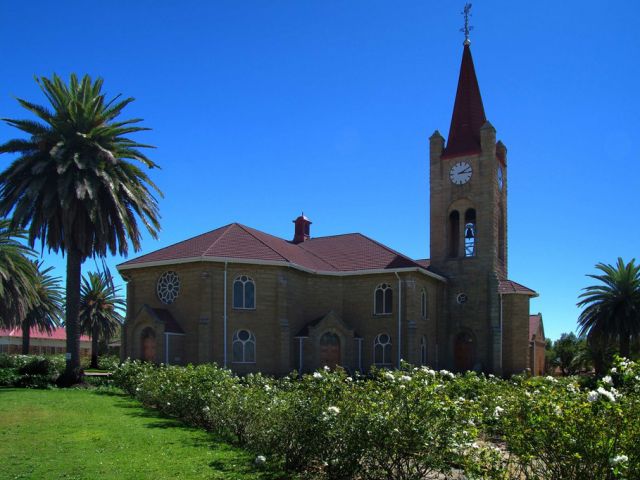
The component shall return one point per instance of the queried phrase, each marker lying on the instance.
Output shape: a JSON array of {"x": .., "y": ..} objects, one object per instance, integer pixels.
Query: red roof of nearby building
[
  {"x": 338, "y": 253},
  {"x": 535, "y": 323},
  {"x": 57, "y": 334},
  {"x": 468, "y": 111},
  {"x": 424, "y": 262},
  {"x": 509, "y": 286}
]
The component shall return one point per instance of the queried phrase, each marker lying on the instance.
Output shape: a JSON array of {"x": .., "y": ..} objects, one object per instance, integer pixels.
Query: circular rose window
[{"x": 168, "y": 287}]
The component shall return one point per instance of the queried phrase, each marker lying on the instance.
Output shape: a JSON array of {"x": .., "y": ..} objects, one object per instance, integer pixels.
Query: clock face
[
  {"x": 460, "y": 173},
  {"x": 500, "y": 178}
]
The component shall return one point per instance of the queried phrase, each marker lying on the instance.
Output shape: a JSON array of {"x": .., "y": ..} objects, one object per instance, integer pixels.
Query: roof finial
[{"x": 467, "y": 28}]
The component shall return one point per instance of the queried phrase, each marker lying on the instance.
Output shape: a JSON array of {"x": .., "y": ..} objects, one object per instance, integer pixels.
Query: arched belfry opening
[
  {"x": 454, "y": 233},
  {"x": 470, "y": 233}
]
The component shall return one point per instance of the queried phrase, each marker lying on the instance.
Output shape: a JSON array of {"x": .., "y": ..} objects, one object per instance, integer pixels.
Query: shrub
[{"x": 409, "y": 424}]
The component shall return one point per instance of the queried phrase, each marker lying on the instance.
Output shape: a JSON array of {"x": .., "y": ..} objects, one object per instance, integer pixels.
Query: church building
[{"x": 252, "y": 302}]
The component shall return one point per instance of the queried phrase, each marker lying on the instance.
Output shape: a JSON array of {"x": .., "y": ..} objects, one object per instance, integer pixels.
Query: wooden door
[
  {"x": 148, "y": 340},
  {"x": 463, "y": 352},
  {"x": 329, "y": 350}
]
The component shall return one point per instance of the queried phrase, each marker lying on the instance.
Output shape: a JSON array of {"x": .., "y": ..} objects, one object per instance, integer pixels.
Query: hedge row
[
  {"x": 414, "y": 423},
  {"x": 39, "y": 371}
]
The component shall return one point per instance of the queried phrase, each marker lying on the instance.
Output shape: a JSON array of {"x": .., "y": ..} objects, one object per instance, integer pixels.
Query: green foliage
[
  {"x": 409, "y": 424},
  {"x": 570, "y": 354},
  {"x": 612, "y": 307},
  {"x": 17, "y": 275}
]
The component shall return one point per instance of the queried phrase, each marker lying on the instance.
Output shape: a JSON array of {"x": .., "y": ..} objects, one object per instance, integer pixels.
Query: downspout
[
  {"x": 224, "y": 318},
  {"x": 399, "y": 318},
  {"x": 501, "y": 340},
  {"x": 166, "y": 348},
  {"x": 300, "y": 339}
]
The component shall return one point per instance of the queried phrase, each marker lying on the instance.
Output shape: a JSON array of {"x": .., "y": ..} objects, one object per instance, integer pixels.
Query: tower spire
[{"x": 468, "y": 111}]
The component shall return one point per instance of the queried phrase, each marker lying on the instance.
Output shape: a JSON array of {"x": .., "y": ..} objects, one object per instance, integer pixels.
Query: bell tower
[{"x": 468, "y": 201}]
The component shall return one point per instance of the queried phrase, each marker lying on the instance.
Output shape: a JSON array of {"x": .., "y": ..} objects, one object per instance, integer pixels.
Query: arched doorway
[
  {"x": 463, "y": 352},
  {"x": 148, "y": 344},
  {"x": 329, "y": 350}
]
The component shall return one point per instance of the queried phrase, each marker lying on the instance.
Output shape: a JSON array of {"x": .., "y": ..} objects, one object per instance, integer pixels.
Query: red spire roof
[{"x": 468, "y": 112}]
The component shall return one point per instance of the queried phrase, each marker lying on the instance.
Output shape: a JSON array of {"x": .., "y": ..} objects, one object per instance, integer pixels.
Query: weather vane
[{"x": 467, "y": 28}]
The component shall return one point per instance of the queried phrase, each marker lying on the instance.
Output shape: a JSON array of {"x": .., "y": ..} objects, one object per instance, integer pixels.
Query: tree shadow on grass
[{"x": 237, "y": 464}]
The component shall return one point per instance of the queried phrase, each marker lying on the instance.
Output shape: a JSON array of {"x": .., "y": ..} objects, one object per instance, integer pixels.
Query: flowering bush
[{"x": 412, "y": 423}]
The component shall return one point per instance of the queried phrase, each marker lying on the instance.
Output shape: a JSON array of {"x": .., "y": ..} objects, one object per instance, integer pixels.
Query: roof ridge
[
  {"x": 226, "y": 229},
  {"x": 246, "y": 229},
  {"x": 336, "y": 235}
]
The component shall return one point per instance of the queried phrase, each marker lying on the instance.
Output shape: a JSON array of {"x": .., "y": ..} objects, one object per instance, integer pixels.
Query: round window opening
[
  {"x": 168, "y": 287},
  {"x": 243, "y": 335},
  {"x": 462, "y": 298}
]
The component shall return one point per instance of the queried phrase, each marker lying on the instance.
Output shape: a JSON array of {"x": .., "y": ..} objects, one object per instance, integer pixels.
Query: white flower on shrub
[
  {"x": 571, "y": 388},
  {"x": 497, "y": 412},
  {"x": 317, "y": 375},
  {"x": 607, "y": 380},
  {"x": 592, "y": 396},
  {"x": 260, "y": 460},
  {"x": 446, "y": 373},
  {"x": 549, "y": 378},
  {"x": 326, "y": 368},
  {"x": 389, "y": 376},
  {"x": 333, "y": 410},
  {"x": 557, "y": 411},
  {"x": 405, "y": 378},
  {"x": 606, "y": 393},
  {"x": 618, "y": 459}
]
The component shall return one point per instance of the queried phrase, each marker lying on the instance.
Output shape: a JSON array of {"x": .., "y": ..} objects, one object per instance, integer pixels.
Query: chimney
[{"x": 302, "y": 229}]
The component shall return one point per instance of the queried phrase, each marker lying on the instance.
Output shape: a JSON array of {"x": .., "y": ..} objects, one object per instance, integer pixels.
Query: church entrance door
[
  {"x": 329, "y": 350},
  {"x": 148, "y": 340},
  {"x": 463, "y": 352}
]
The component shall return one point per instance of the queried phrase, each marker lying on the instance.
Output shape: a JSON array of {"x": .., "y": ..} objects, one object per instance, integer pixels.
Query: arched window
[
  {"x": 383, "y": 299},
  {"x": 244, "y": 293},
  {"x": 423, "y": 350},
  {"x": 382, "y": 349},
  {"x": 423, "y": 304},
  {"x": 244, "y": 347},
  {"x": 454, "y": 233},
  {"x": 470, "y": 233}
]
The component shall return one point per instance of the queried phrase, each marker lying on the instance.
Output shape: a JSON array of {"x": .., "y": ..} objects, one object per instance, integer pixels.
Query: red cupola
[{"x": 302, "y": 229}]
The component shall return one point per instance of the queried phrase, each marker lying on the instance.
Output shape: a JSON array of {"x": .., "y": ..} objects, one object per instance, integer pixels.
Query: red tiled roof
[
  {"x": 509, "y": 286},
  {"x": 339, "y": 253},
  {"x": 468, "y": 111},
  {"x": 57, "y": 334},
  {"x": 424, "y": 262},
  {"x": 535, "y": 322}
]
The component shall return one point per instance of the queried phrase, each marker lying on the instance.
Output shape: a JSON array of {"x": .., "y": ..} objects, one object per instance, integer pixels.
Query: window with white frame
[
  {"x": 244, "y": 293},
  {"x": 244, "y": 347},
  {"x": 423, "y": 304},
  {"x": 423, "y": 350},
  {"x": 382, "y": 349},
  {"x": 383, "y": 299}
]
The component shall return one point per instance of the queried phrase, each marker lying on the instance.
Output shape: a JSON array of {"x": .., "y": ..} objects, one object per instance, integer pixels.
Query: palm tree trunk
[
  {"x": 624, "y": 346},
  {"x": 71, "y": 374},
  {"x": 94, "y": 345},
  {"x": 26, "y": 332}
]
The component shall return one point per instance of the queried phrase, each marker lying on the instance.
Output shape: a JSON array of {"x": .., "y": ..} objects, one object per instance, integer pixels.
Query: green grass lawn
[{"x": 83, "y": 434}]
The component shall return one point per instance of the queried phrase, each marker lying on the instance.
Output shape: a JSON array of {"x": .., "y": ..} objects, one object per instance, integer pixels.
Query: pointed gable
[{"x": 468, "y": 111}]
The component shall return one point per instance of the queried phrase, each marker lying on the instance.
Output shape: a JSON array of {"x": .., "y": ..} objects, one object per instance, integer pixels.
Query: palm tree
[
  {"x": 17, "y": 276},
  {"x": 46, "y": 312},
  {"x": 612, "y": 308},
  {"x": 74, "y": 187},
  {"x": 99, "y": 310}
]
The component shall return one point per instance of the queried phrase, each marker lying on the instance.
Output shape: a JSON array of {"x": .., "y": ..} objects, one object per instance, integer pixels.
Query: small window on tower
[{"x": 470, "y": 233}]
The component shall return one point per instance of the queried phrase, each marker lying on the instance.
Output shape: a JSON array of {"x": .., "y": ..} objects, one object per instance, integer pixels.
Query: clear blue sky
[{"x": 262, "y": 109}]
